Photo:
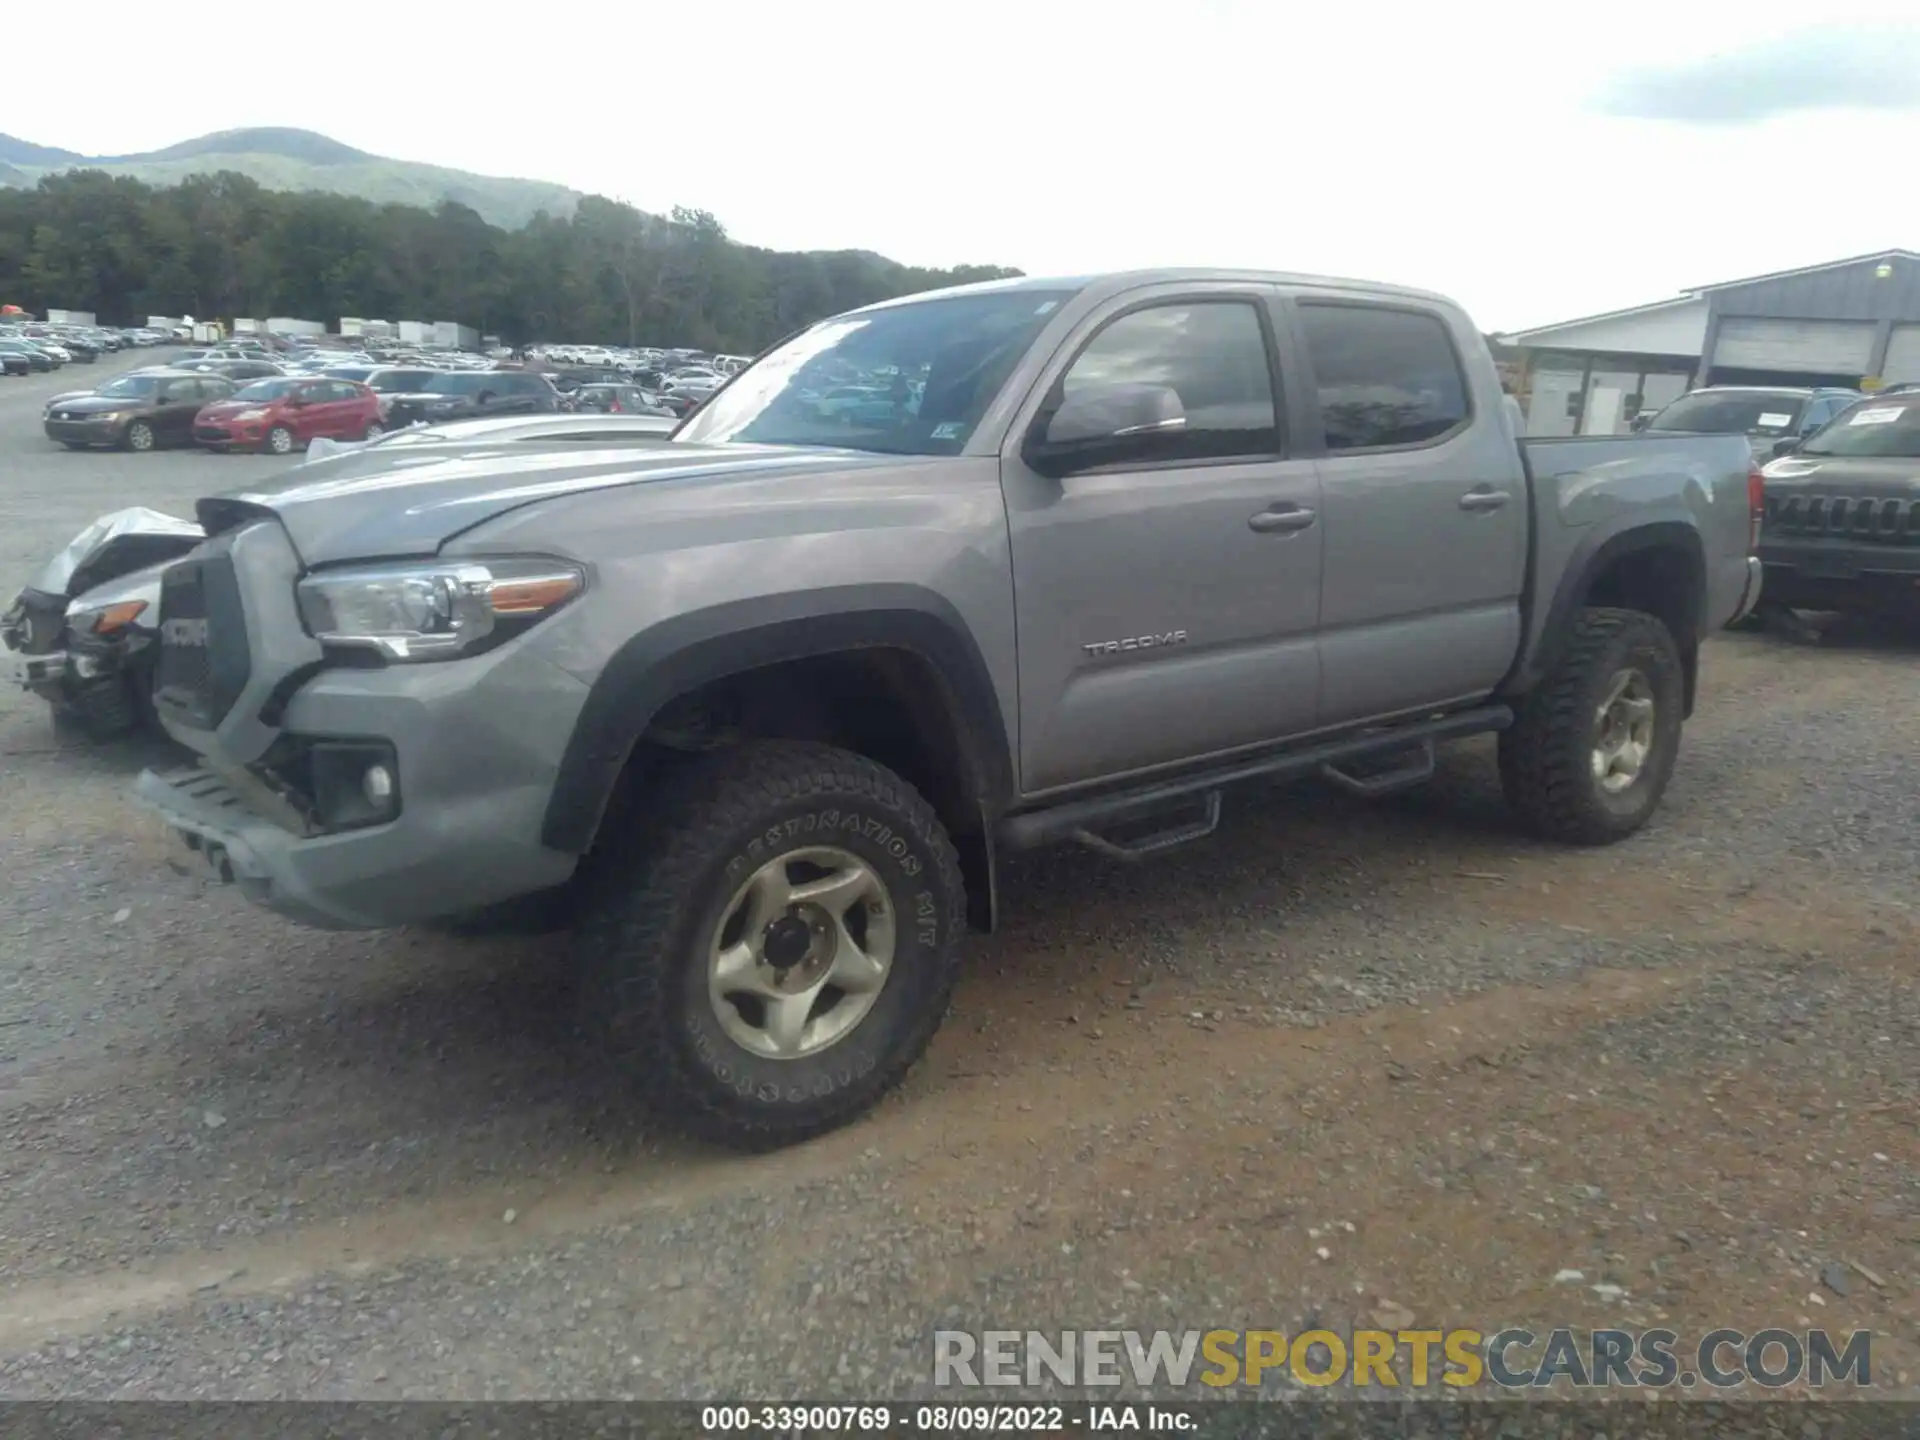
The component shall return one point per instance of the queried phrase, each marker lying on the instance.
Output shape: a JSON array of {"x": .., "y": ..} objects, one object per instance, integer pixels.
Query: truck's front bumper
[{"x": 427, "y": 864}]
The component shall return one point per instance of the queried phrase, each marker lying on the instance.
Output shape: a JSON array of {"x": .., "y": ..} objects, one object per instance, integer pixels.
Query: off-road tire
[
  {"x": 642, "y": 943},
  {"x": 1546, "y": 766}
]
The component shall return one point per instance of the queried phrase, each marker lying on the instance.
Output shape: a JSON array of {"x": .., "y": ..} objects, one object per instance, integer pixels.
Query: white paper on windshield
[
  {"x": 1877, "y": 415},
  {"x": 1774, "y": 422}
]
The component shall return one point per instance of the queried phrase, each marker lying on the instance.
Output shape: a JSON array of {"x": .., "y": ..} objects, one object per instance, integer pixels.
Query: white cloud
[{"x": 1458, "y": 150}]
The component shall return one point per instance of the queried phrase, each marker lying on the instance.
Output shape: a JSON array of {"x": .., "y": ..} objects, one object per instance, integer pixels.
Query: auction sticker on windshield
[
  {"x": 1878, "y": 415},
  {"x": 1771, "y": 421}
]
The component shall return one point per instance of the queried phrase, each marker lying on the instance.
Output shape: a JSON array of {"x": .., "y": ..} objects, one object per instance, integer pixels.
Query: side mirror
[
  {"x": 1641, "y": 421},
  {"x": 485, "y": 398},
  {"x": 1103, "y": 422},
  {"x": 1786, "y": 446}
]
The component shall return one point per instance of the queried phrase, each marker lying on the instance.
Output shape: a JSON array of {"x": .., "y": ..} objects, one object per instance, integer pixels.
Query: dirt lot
[{"x": 1342, "y": 1062}]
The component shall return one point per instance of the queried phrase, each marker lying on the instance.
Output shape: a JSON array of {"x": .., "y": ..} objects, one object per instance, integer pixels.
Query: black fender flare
[
  {"x": 681, "y": 654},
  {"x": 1593, "y": 557}
]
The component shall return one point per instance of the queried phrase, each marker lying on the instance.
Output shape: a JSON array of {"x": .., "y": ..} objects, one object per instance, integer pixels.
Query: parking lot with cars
[{"x": 1342, "y": 1064}]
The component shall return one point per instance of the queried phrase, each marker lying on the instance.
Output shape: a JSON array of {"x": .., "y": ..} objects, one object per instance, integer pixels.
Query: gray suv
[{"x": 770, "y": 698}]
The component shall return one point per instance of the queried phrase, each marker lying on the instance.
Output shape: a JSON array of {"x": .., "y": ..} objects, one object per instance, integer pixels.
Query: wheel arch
[
  {"x": 1658, "y": 567},
  {"x": 683, "y": 655}
]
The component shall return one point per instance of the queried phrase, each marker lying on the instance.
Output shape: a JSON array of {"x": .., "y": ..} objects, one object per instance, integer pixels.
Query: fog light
[
  {"x": 377, "y": 786},
  {"x": 353, "y": 783}
]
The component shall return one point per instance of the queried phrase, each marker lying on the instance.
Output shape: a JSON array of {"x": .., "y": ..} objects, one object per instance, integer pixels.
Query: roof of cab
[{"x": 1120, "y": 281}]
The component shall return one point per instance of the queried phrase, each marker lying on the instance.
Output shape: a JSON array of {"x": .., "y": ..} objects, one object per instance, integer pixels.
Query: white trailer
[
  {"x": 451, "y": 335},
  {"x": 287, "y": 325},
  {"x": 71, "y": 317},
  {"x": 416, "y": 332}
]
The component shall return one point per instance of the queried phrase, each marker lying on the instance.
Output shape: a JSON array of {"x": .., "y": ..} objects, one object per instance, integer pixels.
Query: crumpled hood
[{"x": 384, "y": 503}]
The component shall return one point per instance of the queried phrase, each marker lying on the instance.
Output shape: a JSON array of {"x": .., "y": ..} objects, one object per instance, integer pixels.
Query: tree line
[{"x": 222, "y": 246}]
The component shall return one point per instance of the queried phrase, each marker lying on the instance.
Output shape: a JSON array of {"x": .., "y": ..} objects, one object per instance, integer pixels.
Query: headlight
[
  {"x": 258, "y": 412},
  {"x": 435, "y": 612}
]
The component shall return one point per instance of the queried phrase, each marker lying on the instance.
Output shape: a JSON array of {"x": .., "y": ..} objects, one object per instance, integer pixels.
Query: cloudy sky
[{"x": 1537, "y": 161}]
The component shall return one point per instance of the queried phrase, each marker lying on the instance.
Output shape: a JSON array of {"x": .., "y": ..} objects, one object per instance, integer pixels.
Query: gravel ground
[{"x": 1340, "y": 1063}]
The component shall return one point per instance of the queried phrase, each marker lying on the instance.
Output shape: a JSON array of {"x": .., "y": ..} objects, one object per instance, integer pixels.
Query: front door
[
  {"x": 1166, "y": 601},
  {"x": 1426, "y": 512}
]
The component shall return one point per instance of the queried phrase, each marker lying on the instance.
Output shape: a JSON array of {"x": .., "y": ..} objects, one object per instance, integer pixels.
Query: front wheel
[
  {"x": 779, "y": 947},
  {"x": 374, "y": 431},
  {"x": 279, "y": 441},
  {"x": 140, "y": 436},
  {"x": 1593, "y": 746}
]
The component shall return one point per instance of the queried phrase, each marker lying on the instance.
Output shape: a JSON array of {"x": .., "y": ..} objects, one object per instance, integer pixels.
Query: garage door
[
  {"x": 1824, "y": 347},
  {"x": 1903, "y": 355}
]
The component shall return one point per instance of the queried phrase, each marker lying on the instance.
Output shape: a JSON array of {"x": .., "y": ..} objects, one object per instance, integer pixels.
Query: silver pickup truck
[{"x": 771, "y": 697}]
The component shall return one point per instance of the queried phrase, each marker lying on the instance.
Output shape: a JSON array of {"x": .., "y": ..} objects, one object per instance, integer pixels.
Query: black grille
[
  {"x": 1886, "y": 519},
  {"x": 203, "y": 664},
  {"x": 208, "y": 432}
]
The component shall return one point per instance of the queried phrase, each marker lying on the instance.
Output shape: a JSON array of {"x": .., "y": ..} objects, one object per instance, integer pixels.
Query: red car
[{"x": 283, "y": 414}]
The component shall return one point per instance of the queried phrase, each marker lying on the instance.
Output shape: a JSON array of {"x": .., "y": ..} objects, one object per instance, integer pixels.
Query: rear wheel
[
  {"x": 779, "y": 947},
  {"x": 139, "y": 436},
  {"x": 279, "y": 441},
  {"x": 1593, "y": 747}
]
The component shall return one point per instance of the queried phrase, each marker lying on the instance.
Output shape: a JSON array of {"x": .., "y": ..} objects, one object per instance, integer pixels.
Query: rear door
[
  {"x": 1425, "y": 508},
  {"x": 1166, "y": 602},
  {"x": 342, "y": 410},
  {"x": 179, "y": 401}
]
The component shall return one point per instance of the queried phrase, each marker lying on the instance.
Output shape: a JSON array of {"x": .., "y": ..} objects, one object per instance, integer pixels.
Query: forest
[{"x": 221, "y": 246}]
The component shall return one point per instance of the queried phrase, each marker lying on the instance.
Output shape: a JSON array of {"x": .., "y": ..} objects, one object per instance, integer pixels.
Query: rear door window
[{"x": 1387, "y": 378}]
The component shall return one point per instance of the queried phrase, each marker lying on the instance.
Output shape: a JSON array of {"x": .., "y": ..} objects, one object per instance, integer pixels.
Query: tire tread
[
  {"x": 628, "y": 938},
  {"x": 1543, "y": 754}
]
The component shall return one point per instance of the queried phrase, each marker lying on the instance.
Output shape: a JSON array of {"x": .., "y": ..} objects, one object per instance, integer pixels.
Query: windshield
[
  {"x": 128, "y": 385},
  {"x": 1888, "y": 427},
  {"x": 265, "y": 390},
  {"x": 943, "y": 361},
  {"x": 470, "y": 383},
  {"x": 1732, "y": 412}
]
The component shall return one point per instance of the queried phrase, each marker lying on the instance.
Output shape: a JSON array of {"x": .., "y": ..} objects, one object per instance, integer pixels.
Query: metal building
[{"x": 1853, "y": 322}]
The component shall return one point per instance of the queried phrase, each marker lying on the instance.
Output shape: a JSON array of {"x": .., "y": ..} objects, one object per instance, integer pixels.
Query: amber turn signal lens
[
  {"x": 532, "y": 595},
  {"x": 118, "y": 617}
]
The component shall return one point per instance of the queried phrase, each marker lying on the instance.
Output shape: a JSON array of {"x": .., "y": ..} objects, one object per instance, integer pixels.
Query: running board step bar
[
  {"x": 1413, "y": 767},
  {"x": 1154, "y": 843},
  {"x": 1408, "y": 745}
]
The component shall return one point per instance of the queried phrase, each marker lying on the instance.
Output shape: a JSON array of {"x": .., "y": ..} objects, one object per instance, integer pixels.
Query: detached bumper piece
[{"x": 240, "y": 845}]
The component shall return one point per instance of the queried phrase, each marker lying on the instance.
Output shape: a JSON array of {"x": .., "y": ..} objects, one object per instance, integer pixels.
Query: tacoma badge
[{"x": 1137, "y": 642}]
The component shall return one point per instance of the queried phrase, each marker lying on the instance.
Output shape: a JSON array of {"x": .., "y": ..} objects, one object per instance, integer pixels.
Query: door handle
[
  {"x": 1281, "y": 519},
  {"x": 1484, "y": 499}
]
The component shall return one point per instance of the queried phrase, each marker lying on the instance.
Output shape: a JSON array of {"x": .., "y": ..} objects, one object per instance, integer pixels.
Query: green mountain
[{"x": 286, "y": 159}]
